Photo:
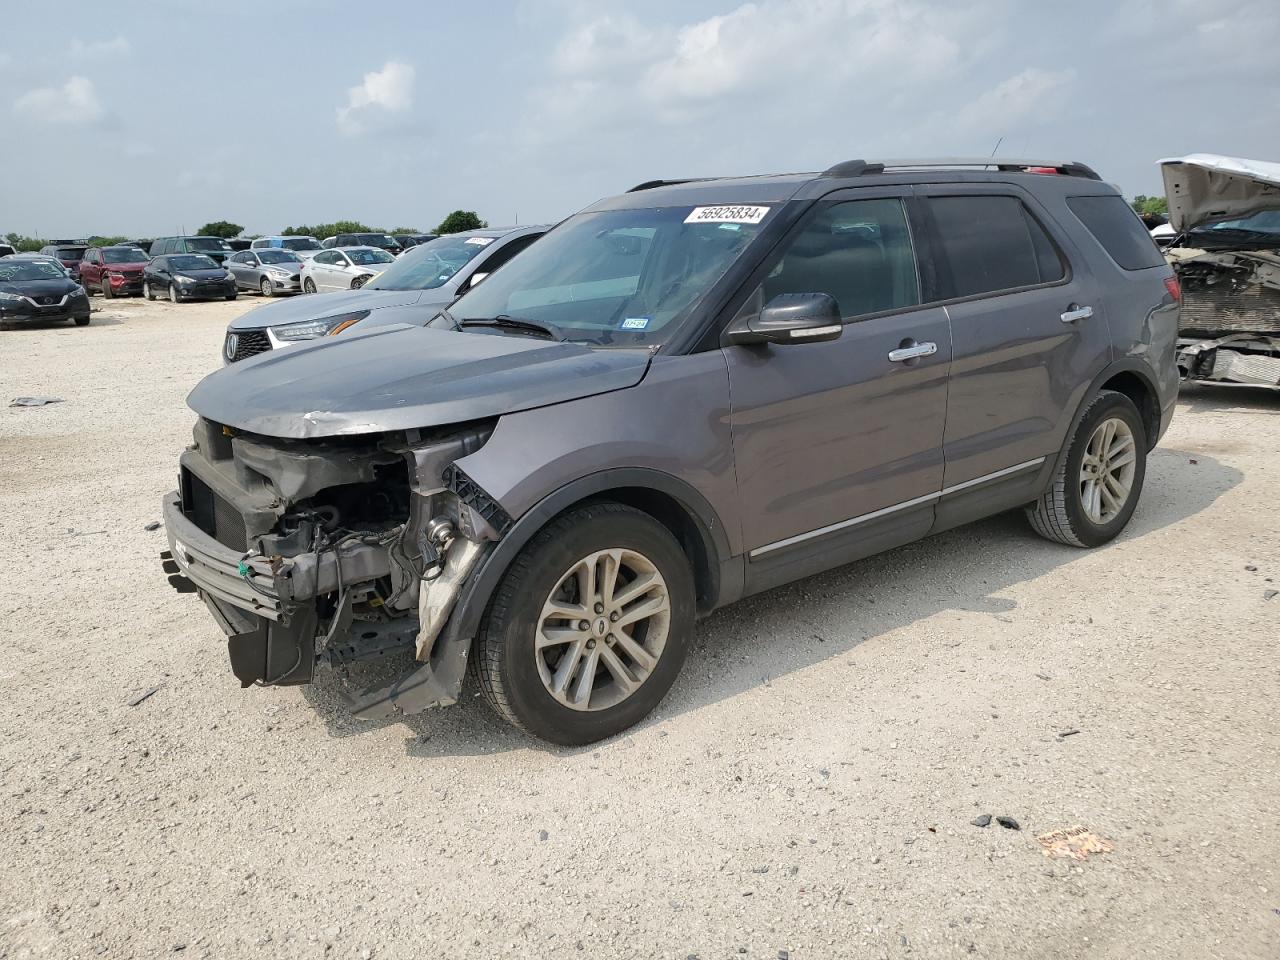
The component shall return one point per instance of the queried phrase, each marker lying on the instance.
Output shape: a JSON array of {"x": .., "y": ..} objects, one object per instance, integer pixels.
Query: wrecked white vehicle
[{"x": 1226, "y": 215}]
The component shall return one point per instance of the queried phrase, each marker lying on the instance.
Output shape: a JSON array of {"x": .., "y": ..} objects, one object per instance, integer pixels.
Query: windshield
[
  {"x": 69, "y": 253},
  {"x": 300, "y": 243},
  {"x": 1267, "y": 222},
  {"x": 362, "y": 258},
  {"x": 430, "y": 265},
  {"x": 277, "y": 256},
  {"x": 123, "y": 255},
  {"x": 619, "y": 277},
  {"x": 192, "y": 262},
  {"x": 15, "y": 271},
  {"x": 207, "y": 243}
]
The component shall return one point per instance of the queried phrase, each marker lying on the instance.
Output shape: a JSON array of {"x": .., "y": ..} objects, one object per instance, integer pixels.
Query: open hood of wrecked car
[
  {"x": 400, "y": 377},
  {"x": 1204, "y": 188}
]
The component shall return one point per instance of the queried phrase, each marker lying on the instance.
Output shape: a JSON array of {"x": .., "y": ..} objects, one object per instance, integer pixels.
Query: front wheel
[
  {"x": 232, "y": 296},
  {"x": 308, "y": 285},
  {"x": 148, "y": 292},
  {"x": 267, "y": 288},
  {"x": 589, "y": 627},
  {"x": 82, "y": 321},
  {"x": 1096, "y": 488},
  {"x": 107, "y": 294},
  {"x": 173, "y": 293}
]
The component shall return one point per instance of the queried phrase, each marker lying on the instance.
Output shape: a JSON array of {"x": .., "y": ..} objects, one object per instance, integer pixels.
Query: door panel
[
  {"x": 1019, "y": 371},
  {"x": 828, "y": 432}
]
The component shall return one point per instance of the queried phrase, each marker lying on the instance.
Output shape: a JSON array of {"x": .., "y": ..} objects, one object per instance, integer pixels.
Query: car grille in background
[
  {"x": 212, "y": 514},
  {"x": 249, "y": 343},
  {"x": 1224, "y": 308},
  {"x": 295, "y": 278}
]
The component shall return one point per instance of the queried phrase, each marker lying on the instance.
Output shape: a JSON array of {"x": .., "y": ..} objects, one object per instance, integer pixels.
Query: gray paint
[{"x": 400, "y": 378}]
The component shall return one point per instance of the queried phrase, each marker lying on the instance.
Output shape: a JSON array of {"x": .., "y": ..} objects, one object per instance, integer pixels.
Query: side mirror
[{"x": 791, "y": 318}]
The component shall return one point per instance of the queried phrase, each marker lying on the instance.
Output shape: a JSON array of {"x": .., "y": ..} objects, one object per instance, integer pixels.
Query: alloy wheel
[
  {"x": 173, "y": 293},
  {"x": 602, "y": 630},
  {"x": 1107, "y": 469},
  {"x": 265, "y": 287}
]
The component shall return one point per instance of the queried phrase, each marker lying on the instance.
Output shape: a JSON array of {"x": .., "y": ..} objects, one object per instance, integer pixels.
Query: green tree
[
  {"x": 322, "y": 230},
  {"x": 395, "y": 230},
  {"x": 98, "y": 241},
  {"x": 461, "y": 220},
  {"x": 220, "y": 228},
  {"x": 24, "y": 244},
  {"x": 1144, "y": 204}
]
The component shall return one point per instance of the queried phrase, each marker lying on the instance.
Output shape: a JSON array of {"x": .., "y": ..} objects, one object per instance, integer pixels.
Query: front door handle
[
  {"x": 1076, "y": 312},
  {"x": 912, "y": 351}
]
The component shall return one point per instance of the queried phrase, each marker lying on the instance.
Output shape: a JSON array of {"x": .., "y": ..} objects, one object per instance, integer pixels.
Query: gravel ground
[{"x": 805, "y": 791}]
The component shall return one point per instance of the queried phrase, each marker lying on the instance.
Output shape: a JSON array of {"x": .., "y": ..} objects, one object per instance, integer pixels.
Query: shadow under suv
[{"x": 680, "y": 396}]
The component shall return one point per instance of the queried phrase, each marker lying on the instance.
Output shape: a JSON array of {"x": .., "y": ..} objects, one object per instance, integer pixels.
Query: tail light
[{"x": 1174, "y": 286}]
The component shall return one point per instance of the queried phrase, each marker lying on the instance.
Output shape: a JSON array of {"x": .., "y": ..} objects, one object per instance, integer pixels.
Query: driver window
[{"x": 859, "y": 252}]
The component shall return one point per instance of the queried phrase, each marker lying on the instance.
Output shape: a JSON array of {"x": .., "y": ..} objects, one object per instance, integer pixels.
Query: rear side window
[
  {"x": 1114, "y": 225},
  {"x": 991, "y": 244}
]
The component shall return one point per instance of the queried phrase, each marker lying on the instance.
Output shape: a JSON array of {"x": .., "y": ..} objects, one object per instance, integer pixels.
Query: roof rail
[
  {"x": 857, "y": 168},
  {"x": 651, "y": 184}
]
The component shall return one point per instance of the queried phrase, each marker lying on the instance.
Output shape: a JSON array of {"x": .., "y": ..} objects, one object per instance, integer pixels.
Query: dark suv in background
[
  {"x": 68, "y": 254},
  {"x": 678, "y": 397},
  {"x": 215, "y": 248},
  {"x": 383, "y": 241}
]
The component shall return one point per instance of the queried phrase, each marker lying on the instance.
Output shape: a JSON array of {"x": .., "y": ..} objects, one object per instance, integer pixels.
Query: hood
[
  {"x": 397, "y": 378},
  {"x": 41, "y": 288},
  {"x": 317, "y": 306},
  {"x": 208, "y": 273},
  {"x": 133, "y": 266},
  {"x": 1204, "y": 188}
]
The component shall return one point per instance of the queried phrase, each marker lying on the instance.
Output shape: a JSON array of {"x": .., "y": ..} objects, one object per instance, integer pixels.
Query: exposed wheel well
[
  {"x": 1143, "y": 397},
  {"x": 688, "y": 530}
]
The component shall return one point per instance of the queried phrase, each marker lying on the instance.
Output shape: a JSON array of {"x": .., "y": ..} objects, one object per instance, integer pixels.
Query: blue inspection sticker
[{"x": 635, "y": 323}]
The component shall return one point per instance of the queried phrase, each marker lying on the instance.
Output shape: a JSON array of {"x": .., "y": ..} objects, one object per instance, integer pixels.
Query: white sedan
[{"x": 343, "y": 268}]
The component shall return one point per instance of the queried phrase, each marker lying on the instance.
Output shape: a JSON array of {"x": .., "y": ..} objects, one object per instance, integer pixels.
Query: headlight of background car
[
  {"x": 181, "y": 279},
  {"x": 278, "y": 272},
  {"x": 10, "y": 296},
  {"x": 324, "y": 327}
]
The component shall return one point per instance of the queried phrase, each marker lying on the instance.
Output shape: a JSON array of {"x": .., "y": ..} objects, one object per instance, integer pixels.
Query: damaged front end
[
  {"x": 339, "y": 550},
  {"x": 1230, "y": 326}
]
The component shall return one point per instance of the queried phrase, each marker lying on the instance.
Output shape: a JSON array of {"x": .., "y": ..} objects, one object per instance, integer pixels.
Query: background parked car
[
  {"x": 187, "y": 276},
  {"x": 304, "y": 246},
  {"x": 382, "y": 240},
  {"x": 113, "y": 271},
  {"x": 347, "y": 268},
  {"x": 412, "y": 290},
  {"x": 6, "y": 250},
  {"x": 268, "y": 271},
  {"x": 68, "y": 254},
  {"x": 239, "y": 243},
  {"x": 44, "y": 259},
  {"x": 408, "y": 240},
  {"x": 37, "y": 289},
  {"x": 213, "y": 247}
]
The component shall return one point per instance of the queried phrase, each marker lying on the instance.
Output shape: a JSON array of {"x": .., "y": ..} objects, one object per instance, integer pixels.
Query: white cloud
[
  {"x": 117, "y": 48},
  {"x": 76, "y": 101},
  {"x": 604, "y": 45},
  {"x": 388, "y": 90},
  {"x": 1013, "y": 98}
]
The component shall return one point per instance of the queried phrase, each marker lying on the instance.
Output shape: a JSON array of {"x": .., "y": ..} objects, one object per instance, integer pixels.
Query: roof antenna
[{"x": 997, "y": 146}]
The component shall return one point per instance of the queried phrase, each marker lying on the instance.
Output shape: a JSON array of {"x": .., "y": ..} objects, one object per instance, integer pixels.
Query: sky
[{"x": 147, "y": 118}]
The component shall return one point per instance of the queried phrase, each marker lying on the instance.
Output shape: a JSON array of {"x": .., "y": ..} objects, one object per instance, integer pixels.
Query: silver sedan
[
  {"x": 269, "y": 272},
  {"x": 344, "y": 268}
]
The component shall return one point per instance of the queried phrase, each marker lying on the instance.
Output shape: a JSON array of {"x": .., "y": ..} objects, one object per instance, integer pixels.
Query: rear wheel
[
  {"x": 308, "y": 285},
  {"x": 267, "y": 288},
  {"x": 1097, "y": 486},
  {"x": 589, "y": 628}
]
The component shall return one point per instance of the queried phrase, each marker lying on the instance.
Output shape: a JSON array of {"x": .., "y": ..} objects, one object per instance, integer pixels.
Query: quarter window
[
  {"x": 1114, "y": 224},
  {"x": 990, "y": 244},
  {"x": 859, "y": 252}
]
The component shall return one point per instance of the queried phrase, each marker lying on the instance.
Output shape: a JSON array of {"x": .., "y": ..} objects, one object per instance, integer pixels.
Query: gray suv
[{"x": 680, "y": 396}]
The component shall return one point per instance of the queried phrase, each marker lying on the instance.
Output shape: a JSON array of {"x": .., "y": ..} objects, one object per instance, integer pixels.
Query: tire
[
  {"x": 173, "y": 294},
  {"x": 106, "y": 289},
  {"x": 517, "y": 678},
  {"x": 232, "y": 296},
  {"x": 266, "y": 288},
  {"x": 82, "y": 321},
  {"x": 1083, "y": 506},
  {"x": 147, "y": 292},
  {"x": 308, "y": 285}
]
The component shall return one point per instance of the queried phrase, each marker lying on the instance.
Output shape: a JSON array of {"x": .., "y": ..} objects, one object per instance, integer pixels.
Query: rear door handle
[
  {"x": 1076, "y": 312},
  {"x": 904, "y": 353}
]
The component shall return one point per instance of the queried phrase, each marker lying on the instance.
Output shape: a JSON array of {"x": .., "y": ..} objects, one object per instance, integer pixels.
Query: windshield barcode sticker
[{"x": 726, "y": 215}]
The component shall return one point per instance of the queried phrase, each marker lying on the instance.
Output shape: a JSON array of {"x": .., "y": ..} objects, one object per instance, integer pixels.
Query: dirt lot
[{"x": 807, "y": 787}]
